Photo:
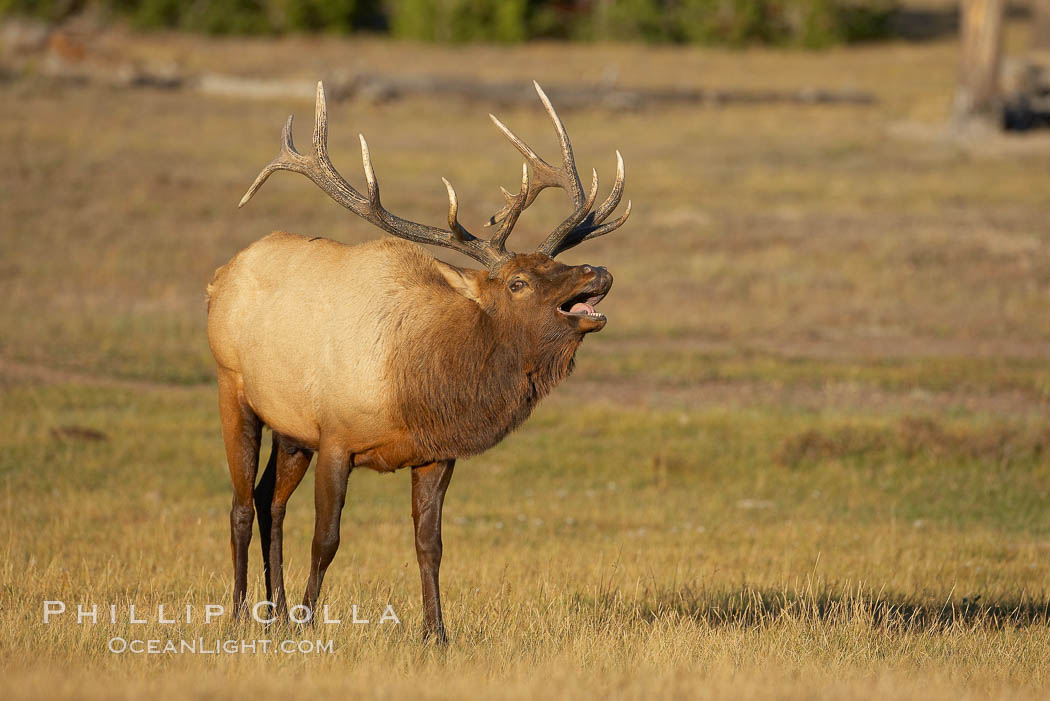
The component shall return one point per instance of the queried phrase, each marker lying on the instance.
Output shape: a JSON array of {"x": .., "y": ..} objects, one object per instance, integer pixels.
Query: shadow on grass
[{"x": 760, "y": 608}]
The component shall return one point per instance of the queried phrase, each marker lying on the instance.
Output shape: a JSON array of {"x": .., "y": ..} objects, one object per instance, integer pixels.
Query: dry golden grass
[{"x": 807, "y": 458}]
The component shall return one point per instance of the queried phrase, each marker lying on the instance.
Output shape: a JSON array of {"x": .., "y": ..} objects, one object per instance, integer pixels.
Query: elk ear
[{"x": 465, "y": 281}]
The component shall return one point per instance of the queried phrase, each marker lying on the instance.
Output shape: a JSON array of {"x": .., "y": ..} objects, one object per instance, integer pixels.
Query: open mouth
[{"x": 582, "y": 305}]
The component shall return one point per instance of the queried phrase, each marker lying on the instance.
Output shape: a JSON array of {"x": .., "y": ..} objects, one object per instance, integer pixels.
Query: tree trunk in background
[
  {"x": 978, "y": 97},
  {"x": 1041, "y": 26}
]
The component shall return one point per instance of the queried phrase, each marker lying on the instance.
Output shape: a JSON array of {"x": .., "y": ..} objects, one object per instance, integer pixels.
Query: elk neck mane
[{"x": 463, "y": 378}]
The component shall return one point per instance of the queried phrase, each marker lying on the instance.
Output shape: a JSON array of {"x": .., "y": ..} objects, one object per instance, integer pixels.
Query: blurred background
[
  {"x": 819, "y": 403},
  {"x": 790, "y": 200}
]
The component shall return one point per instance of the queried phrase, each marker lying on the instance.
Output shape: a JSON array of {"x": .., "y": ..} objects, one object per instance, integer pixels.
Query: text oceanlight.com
[{"x": 200, "y": 646}]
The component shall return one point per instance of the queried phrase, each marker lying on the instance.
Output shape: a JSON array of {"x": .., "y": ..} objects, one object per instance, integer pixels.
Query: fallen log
[{"x": 381, "y": 88}]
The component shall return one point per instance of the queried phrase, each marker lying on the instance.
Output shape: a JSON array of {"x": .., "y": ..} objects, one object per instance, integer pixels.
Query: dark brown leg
[
  {"x": 263, "y": 499},
  {"x": 429, "y": 483},
  {"x": 291, "y": 467},
  {"x": 241, "y": 431},
  {"x": 333, "y": 470}
]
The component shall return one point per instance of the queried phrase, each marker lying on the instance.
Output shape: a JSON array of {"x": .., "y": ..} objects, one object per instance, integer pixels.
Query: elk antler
[
  {"x": 320, "y": 170},
  {"x": 583, "y": 223}
]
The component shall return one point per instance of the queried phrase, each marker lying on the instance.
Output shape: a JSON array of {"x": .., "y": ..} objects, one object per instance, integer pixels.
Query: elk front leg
[
  {"x": 241, "y": 431},
  {"x": 429, "y": 483},
  {"x": 332, "y": 473}
]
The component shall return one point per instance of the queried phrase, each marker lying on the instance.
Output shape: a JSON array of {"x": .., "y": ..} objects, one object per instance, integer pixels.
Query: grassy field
[{"x": 807, "y": 458}]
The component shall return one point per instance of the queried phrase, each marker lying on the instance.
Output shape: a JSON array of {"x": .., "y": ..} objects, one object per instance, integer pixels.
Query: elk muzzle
[{"x": 579, "y": 308}]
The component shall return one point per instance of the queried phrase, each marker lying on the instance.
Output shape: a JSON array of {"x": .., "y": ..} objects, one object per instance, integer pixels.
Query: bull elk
[{"x": 381, "y": 356}]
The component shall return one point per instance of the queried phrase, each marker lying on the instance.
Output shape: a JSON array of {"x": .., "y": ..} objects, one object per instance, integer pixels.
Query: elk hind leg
[
  {"x": 330, "y": 481},
  {"x": 264, "y": 492},
  {"x": 291, "y": 465},
  {"x": 241, "y": 432}
]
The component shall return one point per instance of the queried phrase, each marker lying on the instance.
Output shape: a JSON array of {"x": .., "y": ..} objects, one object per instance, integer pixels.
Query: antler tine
[
  {"x": 287, "y": 159},
  {"x": 579, "y": 214},
  {"x": 516, "y": 204},
  {"x": 582, "y": 223},
  {"x": 591, "y": 227},
  {"x": 370, "y": 176},
  {"x": 453, "y": 210},
  {"x": 320, "y": 170},
  {"x": 601, "y": 214},
  {"x": 544, "y": 174},
  {"x": 581, "y": 234},
  {"x": 568, "y": 171}
]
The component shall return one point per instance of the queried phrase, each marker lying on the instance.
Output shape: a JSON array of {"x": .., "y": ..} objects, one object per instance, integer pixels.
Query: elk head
[
  {"x": 532, "y": 290},
  {"x": 555, "y": 299}
]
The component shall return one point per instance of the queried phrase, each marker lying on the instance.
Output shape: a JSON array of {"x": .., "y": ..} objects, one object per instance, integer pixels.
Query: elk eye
[{"x": 518, "y": 285}]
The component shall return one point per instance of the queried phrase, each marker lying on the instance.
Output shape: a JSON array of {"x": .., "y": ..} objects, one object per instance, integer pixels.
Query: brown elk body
[{"x": 381, "y": 356}]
